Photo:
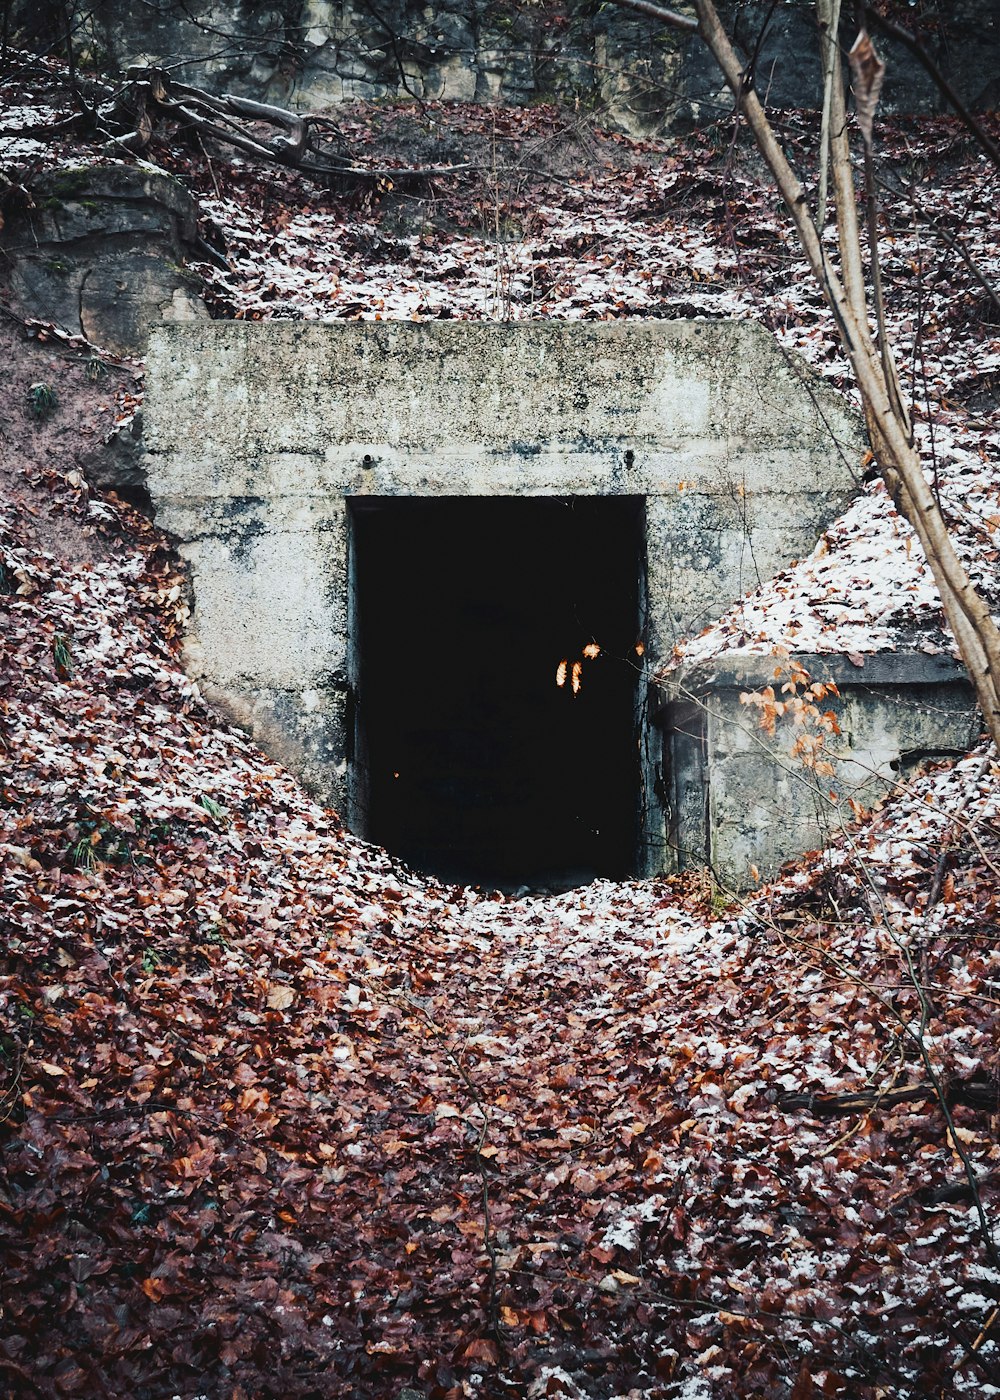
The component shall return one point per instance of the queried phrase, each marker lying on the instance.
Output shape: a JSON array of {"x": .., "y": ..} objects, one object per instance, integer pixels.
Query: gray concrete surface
[
  {"x": 259, "y": 436},
  {"x": 740, "y": 798}
]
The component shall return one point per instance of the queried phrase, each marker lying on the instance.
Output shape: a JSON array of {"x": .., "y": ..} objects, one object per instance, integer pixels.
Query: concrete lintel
[
  {"x": 687, "y": 471},
  {"x": 228, "y": 387}
]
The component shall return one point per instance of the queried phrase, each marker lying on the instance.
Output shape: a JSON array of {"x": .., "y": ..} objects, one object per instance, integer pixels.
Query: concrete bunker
[{"x": 397, "y": 532}]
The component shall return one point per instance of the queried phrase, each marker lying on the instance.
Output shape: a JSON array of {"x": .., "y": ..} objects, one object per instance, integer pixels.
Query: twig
[
  {"x": 671, "y": 17},
  {"x": 910, "y": 41},
  {"x": 11, "y": 1096},
  {"x": 986, "y": 1327},
  {"x": 211, "y": 168},
  {"x": 828, "y": 15}
]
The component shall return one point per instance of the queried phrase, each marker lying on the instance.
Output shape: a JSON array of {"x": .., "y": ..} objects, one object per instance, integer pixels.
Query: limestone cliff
[{"x": 643, "y": 77}]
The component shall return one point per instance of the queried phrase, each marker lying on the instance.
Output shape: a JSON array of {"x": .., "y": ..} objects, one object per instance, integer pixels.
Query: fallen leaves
[{"x": 241, "y": 1153}]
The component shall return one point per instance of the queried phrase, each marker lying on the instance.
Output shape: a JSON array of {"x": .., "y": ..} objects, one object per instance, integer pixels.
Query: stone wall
[
  {"x": 99, "y": 250},
  {"x": 260, "y": 435},
  {"x": 963, "y": 40},
  {"x": 315, "y": 53}
]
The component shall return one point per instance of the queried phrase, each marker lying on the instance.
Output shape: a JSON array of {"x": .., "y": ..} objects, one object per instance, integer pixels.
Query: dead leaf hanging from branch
[{"x": 869, "y": 74}]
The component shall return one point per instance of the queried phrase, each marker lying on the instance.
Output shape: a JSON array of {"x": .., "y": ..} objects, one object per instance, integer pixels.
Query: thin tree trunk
[
  {"x": 967, "y": 615},
  {"x": 848, "y": 238},
  {"x": 828, "y": 14}
]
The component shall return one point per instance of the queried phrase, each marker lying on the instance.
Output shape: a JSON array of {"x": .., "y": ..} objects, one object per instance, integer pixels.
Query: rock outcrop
[
  {"x": 965, "y": 45},
  {"x": 637, "y": 73},
  {"x": 100, "y": 251}
]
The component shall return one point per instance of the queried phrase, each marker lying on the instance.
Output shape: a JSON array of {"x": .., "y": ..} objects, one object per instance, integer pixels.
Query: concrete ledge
[
  {"x": 745, "y": 796},
  {"x": 753, "y": 671}
]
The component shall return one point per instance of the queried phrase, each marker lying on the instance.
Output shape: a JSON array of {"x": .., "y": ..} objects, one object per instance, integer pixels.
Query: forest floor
[{"x": 281, "y": 1117}]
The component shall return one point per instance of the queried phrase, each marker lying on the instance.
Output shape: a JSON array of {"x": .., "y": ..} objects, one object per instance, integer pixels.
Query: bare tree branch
[
  {"x": 967, "y": 614},
  {"x": 909, "y": 40},
  {"x": 848, "y": 239},
  {"x": 672, "y": 17},
  {"x": 828, "y": 15},
  {"x": 303, "y": 143}
]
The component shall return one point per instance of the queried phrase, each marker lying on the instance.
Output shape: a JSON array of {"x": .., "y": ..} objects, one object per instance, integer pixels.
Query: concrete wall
[
  {"x": 738, "y": 797},
  {"x": 259, "y": 435}
]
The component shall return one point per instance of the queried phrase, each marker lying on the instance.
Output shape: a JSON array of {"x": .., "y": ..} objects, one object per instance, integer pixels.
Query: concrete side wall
[
  {"x": 740, "y": 797},
  {"x": 258, "y": 436}
]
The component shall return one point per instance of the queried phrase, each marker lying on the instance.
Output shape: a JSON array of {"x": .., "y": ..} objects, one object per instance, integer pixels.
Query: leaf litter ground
[{"x": 284, "y": 1118}]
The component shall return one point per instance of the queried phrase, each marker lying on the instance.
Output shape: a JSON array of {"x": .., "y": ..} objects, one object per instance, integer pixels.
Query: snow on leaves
[
  {"x": 251, "y": 1062},
  {"x": 282, "y": 1118}
]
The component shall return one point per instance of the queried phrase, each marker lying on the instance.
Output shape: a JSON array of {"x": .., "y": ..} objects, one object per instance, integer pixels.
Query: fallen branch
[
  {"x": 303, "y": 142},
  {"x": 976, "y": 1094},
  {"x": 48, "y": 331}
]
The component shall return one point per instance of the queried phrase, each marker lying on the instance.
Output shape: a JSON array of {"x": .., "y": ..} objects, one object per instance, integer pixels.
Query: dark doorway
[{"x": 496, "y": 642}]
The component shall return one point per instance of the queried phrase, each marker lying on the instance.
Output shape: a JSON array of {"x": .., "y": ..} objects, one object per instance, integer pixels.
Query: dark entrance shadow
[{"x": 481, "y": 766}]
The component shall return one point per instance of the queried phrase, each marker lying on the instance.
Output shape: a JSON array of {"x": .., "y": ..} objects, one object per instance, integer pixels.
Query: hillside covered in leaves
[{"x": 283, "y": 1118}]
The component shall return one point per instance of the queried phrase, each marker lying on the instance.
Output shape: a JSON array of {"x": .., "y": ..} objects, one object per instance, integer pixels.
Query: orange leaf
[{"x": 482, "y": 1349}]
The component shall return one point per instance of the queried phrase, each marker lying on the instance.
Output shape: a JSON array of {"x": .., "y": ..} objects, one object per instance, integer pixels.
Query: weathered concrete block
[
  {"x": 304, "y": 727},
  {"x": 711, "y": 542},
  {"x": 270, "y": 609},
  {"x": 260, "y": 436},
  {"x": 740, "y": 797}
]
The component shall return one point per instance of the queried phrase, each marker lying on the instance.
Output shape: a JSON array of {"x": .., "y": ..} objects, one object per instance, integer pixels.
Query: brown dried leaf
[
  {"x": 869, "y": 74},
  {"x": 23, "y": 856},
  {"x": 280, "y": 998},
  {"x": 481, "y": 1349}
]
